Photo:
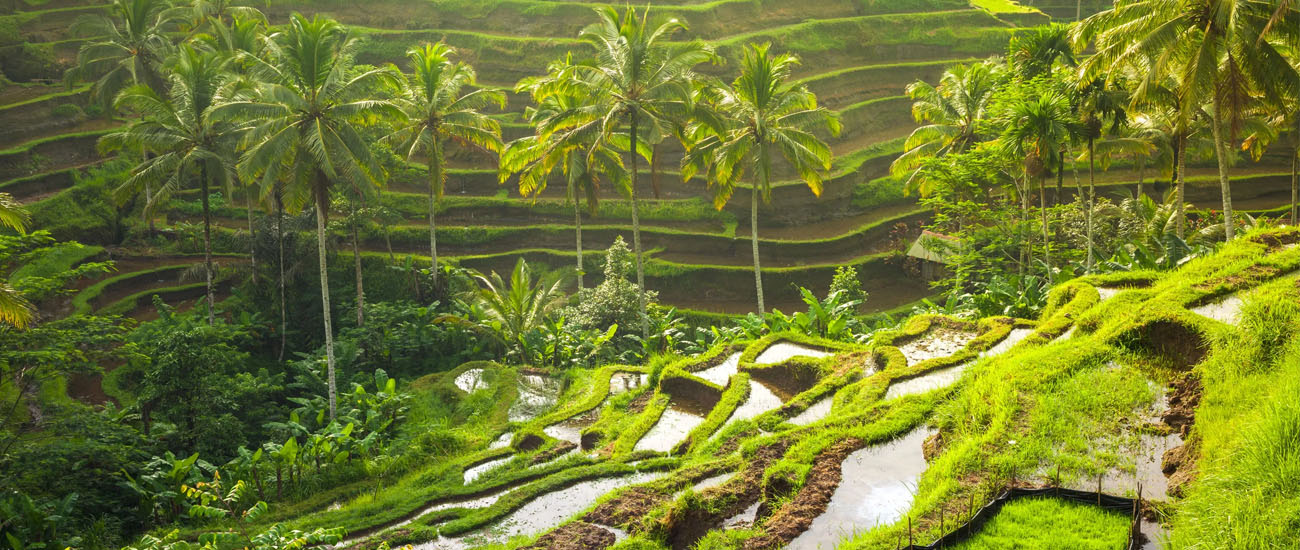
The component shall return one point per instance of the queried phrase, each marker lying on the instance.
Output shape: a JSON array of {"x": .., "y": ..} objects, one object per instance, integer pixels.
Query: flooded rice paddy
[
  {"x": 473, "y": 473},
  {"x": 783, "y": 351},
  {"x": 470, "y": 381},
  {"x": 814, "y": 412},
  {"x": 877, "y": 488},
  {"x": 542, "y": 513},
  {"x": 938, "y": 342},
  {"x": 925, "y": 383},
  {"x": 537, "y": 394},
  {"x": 671, "y": 428},
  {"x": 723, "y": 372},
  {"x": 623, "y": 382}
]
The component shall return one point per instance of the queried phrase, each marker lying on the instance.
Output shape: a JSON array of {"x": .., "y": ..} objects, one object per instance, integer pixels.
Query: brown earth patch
[
  {"x": 690, "y": 395},
  {"x": 933, "y": 446},
  {"x": 1180, "y": 345},
  {"x": 1239, "y": 279},
  {"x": 798, "y": 514},
  {"x": 639, "y": 403},
  {"x": 1184, "y": 397},
  {"x": 530, "y": 442},
  {"x": 627, "y": 507},
  {"x": 1275, "y": 242},
  {"x": 575, "y": 535},
  {"x": 554, "y": 452},
  {"x": 1179, "y": 464},
  {"x": 731, "y": 444},
  {"x": 686, "y": 527},
  {"x": 787, "y": 379}
]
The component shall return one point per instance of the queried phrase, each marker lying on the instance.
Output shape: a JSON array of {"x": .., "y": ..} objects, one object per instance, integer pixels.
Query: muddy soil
[
  {"x": 797, "y": 516},
  {"x": 1179, "y": 463},
  {"x": 629, "y": 507},
  {"x": 737, "y": 498},
  {"x": 575, "y": 535},
  {"x": 1241, "y": 278},
  {"x": 1181, "y": 346},
  {"x": 560, "y": 449}
]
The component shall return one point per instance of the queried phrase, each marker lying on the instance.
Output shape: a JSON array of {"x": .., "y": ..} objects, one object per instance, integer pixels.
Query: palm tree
[
  {"x": 521, "y": 304},
  {"x": 132, "y": 44},
  {"x": 131, "y": 47},
  {"x": 950, "y": 113},
  {"x": 15, "y": 310},
  {"x": 1035, "y": 128},
  {"x": 302, "y": 139},
  {"x": 1100, "y": 106},
  {"x": 435, "y": 109},
  {"x": 186, "y": 144},
  {"x": 760, "y": 111},
  {"x": 1223, "y": 52},
  {"x": 561, "y": 143},
  {"x": 638, "y": 84}
]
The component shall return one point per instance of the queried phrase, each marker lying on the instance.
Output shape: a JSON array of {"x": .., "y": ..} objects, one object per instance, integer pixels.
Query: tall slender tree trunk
[
  {"x": 1024, "y": 223},
  {"x": 252, "y": 242},
  {"x": 356, "y": 261},
  {"x": 753, "y": 239},
  {"x": 1221, "y": 151},
  {"x": 435, "y": 183},
  {"x": 279, "y": 239},
  {"x": 1180, "y": 170},
  {"x": 1060, "y": 178},
  {"x": 636, "y": 234},
  {"x": 207, "y": 243},
  {"x": 577, "y": 225},
  {"x": 322, "y": 211},
  {"x": 1047, "y": 237},
  {"x": 1141, "y": 163},
  {"x": 1295, "y": 180},
  {"x": 1092, "y": 202}
]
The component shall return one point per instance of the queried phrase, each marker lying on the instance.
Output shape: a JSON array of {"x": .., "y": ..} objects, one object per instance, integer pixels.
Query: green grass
[
  {"x": 1003, "y": 6},
  {"x": 1050, "y": 524}
]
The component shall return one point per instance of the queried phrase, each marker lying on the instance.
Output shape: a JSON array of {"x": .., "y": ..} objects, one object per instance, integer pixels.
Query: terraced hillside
[
  {"x": 1142, "y": 386},
  {"x": 858, "y": 56}
]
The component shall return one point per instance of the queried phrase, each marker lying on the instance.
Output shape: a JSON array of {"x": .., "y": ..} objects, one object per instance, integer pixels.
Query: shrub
[
  {"x": 614, "y": 300},
  {"x": 67, "y": 110}
]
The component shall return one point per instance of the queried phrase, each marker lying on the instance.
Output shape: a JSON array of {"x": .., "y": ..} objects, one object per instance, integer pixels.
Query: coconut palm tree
[
  {"x": 186, "y": 145},
  {"x": 1223, "y": 51},
  {"x": 303, "y": 138},
  {"x": 15, "y": 310},
  {"x": 436, "y": 109},
  {"x": 561, "y": 144},
  {"x": 130, "y": 47},
  {"x": 638, "y": 83},
  {"x": 950, "y": 114},
  {"x": 761, "y": 111},
  {"x": 1035, "y": 128}
]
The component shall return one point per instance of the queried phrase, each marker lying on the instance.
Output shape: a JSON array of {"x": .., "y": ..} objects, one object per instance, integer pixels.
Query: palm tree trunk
[
  {"x": 1221, "y": 151},
  {"x": 636, "y": 234},
  {"x": 207, "y": 242},
  {"x": 1047, "y": 238},
  {"x": 577, "y": 224},
  {"x": 1179, "y": 172},
  {"x": 1092, "y": 201},
  {"x": 435, "y": 180},
  {"x": 753, "y": 239},
  {"x": 279, "y": 239},
  {"x": 252, "y": 242},
  {"x": 1024, "y": 223},
  {"x": 321, "y": 213},
  {"x": 1060, "y": 177},
  {"x": 1295, "y": 180},
  {"x": 1141, "y": 163},
  {"x": 356, "y": 256}
]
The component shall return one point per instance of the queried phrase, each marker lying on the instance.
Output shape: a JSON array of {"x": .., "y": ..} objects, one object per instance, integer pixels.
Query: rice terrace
[{"x": 668, "y": 275}]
